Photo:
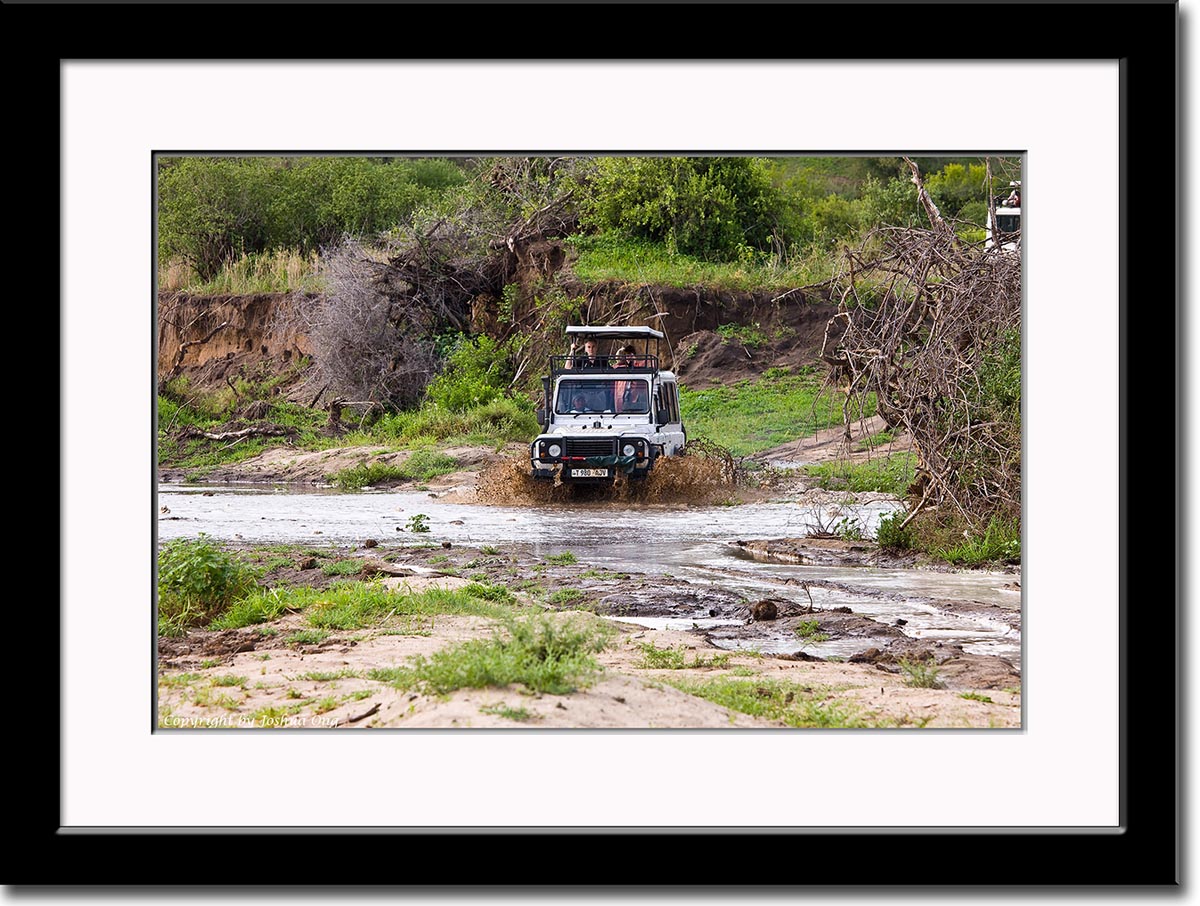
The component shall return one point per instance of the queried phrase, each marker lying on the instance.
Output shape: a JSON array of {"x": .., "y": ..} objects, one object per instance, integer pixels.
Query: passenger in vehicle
[
  {"x": 623, "y": 359},
  {"x": 579, "y": 403},
  {"x": 590, "y": 360},
  {"x": 634, "y": 399}
]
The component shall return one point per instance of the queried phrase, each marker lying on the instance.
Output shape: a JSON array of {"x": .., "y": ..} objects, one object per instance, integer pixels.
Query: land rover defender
[{"x": 607, "y": 411}]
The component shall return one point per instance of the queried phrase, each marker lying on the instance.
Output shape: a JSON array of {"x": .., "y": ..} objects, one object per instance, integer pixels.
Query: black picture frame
[{"x": 1145, "y": 852}]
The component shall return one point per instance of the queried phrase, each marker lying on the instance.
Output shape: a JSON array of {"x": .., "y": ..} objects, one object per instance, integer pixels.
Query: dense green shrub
[
  {"x": 477, "y": 370},
  {"x": 717, "y": 208},
  {"x": 500, "y": 420},
  {"x": 956, "y": 185},
  {"x": 974, "y": 212},
  {"x": 891, "y": 535},
  {"x": 892, "y": 203},
  {"x": 1000, "y": 380},
  {"x": 197, "y": 581}
]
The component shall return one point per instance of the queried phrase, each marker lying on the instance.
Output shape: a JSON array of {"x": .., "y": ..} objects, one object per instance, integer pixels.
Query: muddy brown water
[{"x": 678, "y": 546}]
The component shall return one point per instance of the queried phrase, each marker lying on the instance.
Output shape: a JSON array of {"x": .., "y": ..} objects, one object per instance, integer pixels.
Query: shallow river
[{"x": 690, "y": 543}]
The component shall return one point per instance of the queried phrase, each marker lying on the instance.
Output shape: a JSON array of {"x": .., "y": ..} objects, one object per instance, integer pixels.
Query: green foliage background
[{"x": 213, "y": 209}]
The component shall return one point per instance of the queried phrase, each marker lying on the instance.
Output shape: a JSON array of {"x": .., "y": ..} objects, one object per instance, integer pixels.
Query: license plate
[{"x": 590, "y": 473}]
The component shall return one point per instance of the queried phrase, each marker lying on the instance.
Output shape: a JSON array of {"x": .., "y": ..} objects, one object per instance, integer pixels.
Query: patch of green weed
[
  {"x": 920, "y": 674},
  {"x": 887, "y": 474},
  {"x": 551, "y": 656},
  {"x": 197, "y": 581},
  {"x": 521, "y": 715},
  {"x": 794, "y": 704}
]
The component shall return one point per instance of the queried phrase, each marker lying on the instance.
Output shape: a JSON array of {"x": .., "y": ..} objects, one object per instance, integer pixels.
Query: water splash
[{"x": 675, "y": 479}]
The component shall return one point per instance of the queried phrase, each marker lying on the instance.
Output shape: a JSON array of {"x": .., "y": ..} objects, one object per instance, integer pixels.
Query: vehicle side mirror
[{"x": 541, "y": 417}]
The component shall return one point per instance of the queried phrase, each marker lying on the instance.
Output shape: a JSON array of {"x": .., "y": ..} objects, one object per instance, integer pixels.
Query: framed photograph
[{"x": 1080, "y": 785}]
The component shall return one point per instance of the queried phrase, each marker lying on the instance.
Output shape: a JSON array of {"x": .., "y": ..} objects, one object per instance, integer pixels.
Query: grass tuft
[
  {"x": 920, "y": 674},
  {"x": 890, "y": 475},
  {"x": 550, "y": 656},
  {"x": 655, "y": 658},
  {"x": 792, "y": 703}
]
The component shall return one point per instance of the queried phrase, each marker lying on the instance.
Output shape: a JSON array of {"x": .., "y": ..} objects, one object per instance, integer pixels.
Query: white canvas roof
[{"x": 616, "y": 333}]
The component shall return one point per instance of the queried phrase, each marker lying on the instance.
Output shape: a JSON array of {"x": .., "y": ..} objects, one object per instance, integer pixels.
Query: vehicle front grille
[{"x": 589, "y": 446}]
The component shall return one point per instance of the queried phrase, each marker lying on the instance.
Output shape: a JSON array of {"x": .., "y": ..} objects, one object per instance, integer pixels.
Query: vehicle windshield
[
  {"x": 603, "y": 397},
  {"x": 1008, "y": 223}
]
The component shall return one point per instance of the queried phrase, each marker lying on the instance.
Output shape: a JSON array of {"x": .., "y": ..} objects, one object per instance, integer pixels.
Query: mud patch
[
  {"x": 656, "y": 601},
  {"x": 508, "y": 482}
]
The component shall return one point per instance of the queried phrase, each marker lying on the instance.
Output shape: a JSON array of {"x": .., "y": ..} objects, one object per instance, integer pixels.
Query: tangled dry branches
[
  {"x": 931, "y": 326},
  {"x": 374, "y": 332}
]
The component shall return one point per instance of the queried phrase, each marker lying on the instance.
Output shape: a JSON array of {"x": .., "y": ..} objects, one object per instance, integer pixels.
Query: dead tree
[
  {"x": 930, "y": 328},
  {"x": 374, "y": 332}
]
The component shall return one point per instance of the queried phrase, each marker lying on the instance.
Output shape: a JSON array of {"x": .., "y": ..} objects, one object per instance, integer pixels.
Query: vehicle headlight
[
  {"x": 627, "y": 449},
  {"x": 554, "y": 450}
]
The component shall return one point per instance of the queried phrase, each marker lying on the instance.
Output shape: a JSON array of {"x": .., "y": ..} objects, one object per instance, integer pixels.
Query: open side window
[{"x": 671, "y": 393}]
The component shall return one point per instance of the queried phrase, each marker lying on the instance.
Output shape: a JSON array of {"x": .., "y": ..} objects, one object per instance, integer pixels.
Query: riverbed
[{"x": 692, "y": 547}]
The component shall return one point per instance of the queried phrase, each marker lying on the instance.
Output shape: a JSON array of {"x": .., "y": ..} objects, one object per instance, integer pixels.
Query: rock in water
[{"x": 764, "y": 610}]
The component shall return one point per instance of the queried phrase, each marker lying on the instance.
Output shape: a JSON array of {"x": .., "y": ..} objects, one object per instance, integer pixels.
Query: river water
[{"x": 686, "y": 542}]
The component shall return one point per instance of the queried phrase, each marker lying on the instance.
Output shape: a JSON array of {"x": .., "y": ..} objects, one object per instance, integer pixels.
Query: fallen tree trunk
[{"x": 258, "y": 431}]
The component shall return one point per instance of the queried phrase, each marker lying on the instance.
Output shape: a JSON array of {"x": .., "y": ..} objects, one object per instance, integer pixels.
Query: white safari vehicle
[
  {"x": 608, "y": 408},
  {"x": 1008, "y": 221}
]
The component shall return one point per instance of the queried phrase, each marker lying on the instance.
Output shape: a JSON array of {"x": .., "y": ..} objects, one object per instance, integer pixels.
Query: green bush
[
  {"x": 357, "y": 477},
  {"x": 215, "y": 209},
  {"x": 831, "y": 220},
  {"x": 477, "y": 370},
  {"x": 423, "y": 465},
  {"x": 197, "y": 582},
  {"x": 1000, "y": 379},
  {"x": 717, "y": 208},
  {"x": 891, "y": 535},
  {"x": 550, "y": 656},
  {"x": 975, "y": 212},
  {"x": 957, "y": 185}
]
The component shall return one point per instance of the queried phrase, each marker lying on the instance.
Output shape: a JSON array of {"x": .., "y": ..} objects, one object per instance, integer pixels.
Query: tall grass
[
  {"x": 610, "y": 257},
  {"x": 502, "y": 419},
  {"x": 422, "y": 465},
  {"x": 1001, "y": 540},
  {"x": 282, "y": 270}
]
